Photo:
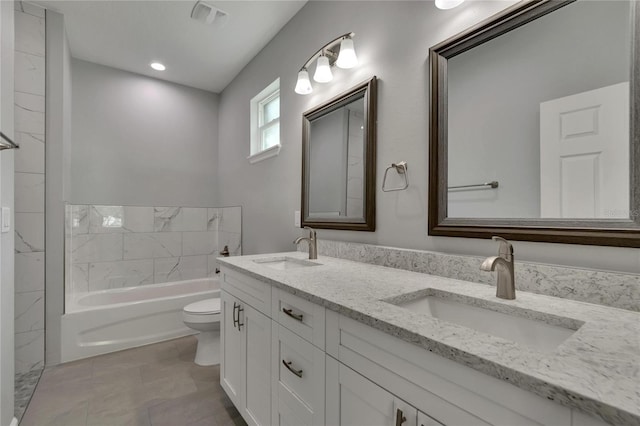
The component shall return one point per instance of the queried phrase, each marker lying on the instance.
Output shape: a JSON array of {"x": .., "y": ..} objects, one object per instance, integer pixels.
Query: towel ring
[{"x": 401, "y": 168}]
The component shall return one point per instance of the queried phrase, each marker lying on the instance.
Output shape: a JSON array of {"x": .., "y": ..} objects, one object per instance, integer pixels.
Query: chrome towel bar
[{"x": 493, "y": 185}]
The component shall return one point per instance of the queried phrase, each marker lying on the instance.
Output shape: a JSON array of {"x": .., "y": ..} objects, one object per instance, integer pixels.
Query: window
[{"x": 265, "y": 123}]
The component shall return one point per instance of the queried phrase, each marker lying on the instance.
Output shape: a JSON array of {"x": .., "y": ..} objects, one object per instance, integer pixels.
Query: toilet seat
[{"x": 203, "y": 307}]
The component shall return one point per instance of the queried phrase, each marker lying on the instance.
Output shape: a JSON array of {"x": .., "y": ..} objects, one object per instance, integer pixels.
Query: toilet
[{"x": 204, "y": 316}]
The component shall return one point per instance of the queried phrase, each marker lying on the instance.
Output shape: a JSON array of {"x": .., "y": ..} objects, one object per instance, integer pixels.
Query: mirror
[
  {"x": 532, "y": 126},
  {"x": 338, "y": 161}
]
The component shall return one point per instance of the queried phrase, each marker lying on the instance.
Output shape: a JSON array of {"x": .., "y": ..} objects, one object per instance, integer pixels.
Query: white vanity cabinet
[{"x": 245, "y": 335}]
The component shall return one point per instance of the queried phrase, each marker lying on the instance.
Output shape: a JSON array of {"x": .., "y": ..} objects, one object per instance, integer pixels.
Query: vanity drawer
[
  {"x": 304, "y": 318},
  {"x": 250, "y": 290},
  {"x": 298, "y": 386}
]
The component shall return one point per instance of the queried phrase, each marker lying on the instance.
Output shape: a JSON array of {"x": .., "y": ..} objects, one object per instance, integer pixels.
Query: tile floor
[
  {"x": 25, "y": 386},
  {"x": 155, "y": 385}
]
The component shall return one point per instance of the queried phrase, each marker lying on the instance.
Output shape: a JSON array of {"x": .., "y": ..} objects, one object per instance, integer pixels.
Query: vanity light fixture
[
  {"x": 448, "y": 4},
  {"x": 157, "y": 66},
  {"x": 338, "y": 51}
]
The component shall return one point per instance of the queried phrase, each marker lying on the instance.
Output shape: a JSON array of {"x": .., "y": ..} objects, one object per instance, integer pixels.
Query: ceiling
[{"x": 129, "y": 35}]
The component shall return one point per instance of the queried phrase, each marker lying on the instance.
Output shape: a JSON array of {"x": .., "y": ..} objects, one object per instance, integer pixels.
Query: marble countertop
[{"x": 597, "y": 369}]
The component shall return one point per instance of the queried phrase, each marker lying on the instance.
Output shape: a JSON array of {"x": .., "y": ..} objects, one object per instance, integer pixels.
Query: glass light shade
[
  {"x": 323, "y": 70},
  {"x": 303, "y": 86},
  {"x": 347, "y": 57},
  {"x": 448, "y": 4}
]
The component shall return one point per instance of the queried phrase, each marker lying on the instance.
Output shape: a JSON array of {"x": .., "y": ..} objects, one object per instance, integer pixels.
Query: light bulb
[
  {"x": 448, "y": 4},
  {"x": 323, "y": 70},
  {"x": 303, "y": 86},
  {"x": 347, "y": 57},
  {"x": 157, "y": 66}
]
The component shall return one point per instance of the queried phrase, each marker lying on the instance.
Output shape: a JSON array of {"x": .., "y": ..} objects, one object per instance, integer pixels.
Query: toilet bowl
[{"x": 204, "y": 316}]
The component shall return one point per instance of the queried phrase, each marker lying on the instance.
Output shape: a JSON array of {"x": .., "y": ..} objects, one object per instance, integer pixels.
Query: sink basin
[
  {"x": 530, "y": 332},
  {"x": 282, "y": 263}
]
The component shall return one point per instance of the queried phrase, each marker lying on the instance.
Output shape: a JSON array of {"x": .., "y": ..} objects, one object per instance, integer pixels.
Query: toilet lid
[{"x": 208, "y": 306}]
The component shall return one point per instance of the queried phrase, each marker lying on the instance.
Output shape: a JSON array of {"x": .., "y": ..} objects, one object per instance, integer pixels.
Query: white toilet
[{"x": 204, "y": 316}]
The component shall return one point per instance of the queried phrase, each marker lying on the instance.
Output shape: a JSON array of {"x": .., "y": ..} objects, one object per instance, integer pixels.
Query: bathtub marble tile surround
[
  {"x": 124, "y": 246},
  {"x": 29, "y": 176},
  {"x": 595, "y": 370},
  {"x": 613, "y": 289}
]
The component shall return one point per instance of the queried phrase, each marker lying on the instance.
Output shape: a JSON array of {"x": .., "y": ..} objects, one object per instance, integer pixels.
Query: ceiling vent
[{"x": 209, "y": 14}]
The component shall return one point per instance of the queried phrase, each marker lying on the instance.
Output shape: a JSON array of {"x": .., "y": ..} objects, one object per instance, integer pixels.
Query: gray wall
[
  {"x": 58, "y": 130},
  {"x": 392, "y": 41},
  {"x": 6, "y": 200},
  {"x": 141, "y": 141},
  {"x": 558, "y": 55}
]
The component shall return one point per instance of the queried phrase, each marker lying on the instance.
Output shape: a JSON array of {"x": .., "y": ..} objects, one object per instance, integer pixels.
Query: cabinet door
[
  {"x": 353, "y": 400},
  {"x": 256, "y": 330},
  {"x": 231, "y": 339}
]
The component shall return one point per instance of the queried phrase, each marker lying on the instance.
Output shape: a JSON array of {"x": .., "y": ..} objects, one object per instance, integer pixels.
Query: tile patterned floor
[
  {"x": 155, "y": 385},
  {"x": 25, "y": 386}
]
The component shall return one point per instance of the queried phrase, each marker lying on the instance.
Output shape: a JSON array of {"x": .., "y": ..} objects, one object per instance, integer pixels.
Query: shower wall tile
[
  {"x": 194, "y": 219},
  {"x": 29, "y": 193},
  {"x": 122, "y": 246},
  {"x": 29, "y": 353},
  {"x": 232, "y": 240},
  {"x": 167, "y": 219},
  {"x": 29, "y": 272},
  {"x": 152, "y": 245},
  {"x": 213, "y": 216},
  {"x": 96, "y": 248},
  {"x": 29, "y": 113},
  {"x": 128, "y": 273},
  {"x": 79, "y": 220},
  {"x": 30, "y": 37},
  {"x": 30, "y": 157},
  {"x": 195, "y": 243},
  {"x": 77, "y": 280},
  {"x": 180, "y": 268},
  {"x": 231, "y": 219},
  {"x": 29, "y": 232},
  {"x": 29, "y": 311},
  {"x": 29, "y": 73}
]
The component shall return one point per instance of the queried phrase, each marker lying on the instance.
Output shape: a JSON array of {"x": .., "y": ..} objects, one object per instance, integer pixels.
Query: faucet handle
[
  {"x": 506, "y": 249},
  {"x": 312, "y": 232}
]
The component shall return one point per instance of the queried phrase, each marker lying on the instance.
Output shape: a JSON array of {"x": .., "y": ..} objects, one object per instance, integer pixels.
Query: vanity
[{"x": 337, "y": 342}]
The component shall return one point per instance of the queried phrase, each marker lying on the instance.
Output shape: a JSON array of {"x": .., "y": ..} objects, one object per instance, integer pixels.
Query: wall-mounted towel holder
[
  {"x": 401, "y": 168},
  {"x": 7, "y": 143}
]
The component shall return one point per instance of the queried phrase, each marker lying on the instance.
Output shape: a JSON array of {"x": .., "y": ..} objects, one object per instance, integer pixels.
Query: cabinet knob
[{"x": 400, "y": 418}]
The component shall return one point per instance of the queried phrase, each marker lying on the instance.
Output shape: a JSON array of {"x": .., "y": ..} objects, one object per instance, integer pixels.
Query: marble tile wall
[
  {"x": 29, "y": 186},
  {"x": 125, "y": 246},
  {"x": 601, "y": 287}
]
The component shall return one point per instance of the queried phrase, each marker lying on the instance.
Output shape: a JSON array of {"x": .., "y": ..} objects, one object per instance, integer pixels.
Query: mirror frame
[
  {"x": 613, "y": 232},
  {"x": 368, "y": 91}
]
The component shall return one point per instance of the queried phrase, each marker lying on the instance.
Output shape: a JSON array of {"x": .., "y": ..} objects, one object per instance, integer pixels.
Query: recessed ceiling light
[{"x": 158, "y": 66}]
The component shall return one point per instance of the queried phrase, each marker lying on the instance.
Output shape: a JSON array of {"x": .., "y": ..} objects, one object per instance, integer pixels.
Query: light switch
[
  {"x": 296, "y": 218},
  {"x": 6, "y": 219}
]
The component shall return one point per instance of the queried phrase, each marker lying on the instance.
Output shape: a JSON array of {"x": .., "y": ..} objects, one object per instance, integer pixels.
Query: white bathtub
[{"x": 112, "y": 320}]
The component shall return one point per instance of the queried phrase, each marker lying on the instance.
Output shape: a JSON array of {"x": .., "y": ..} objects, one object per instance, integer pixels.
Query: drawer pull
[
  {"x": 240, "y": 324},
  {"x": 400, "y": 418},
  {"x": 235, "y": 320},
  {"x": 288, "y": 365},
  {"x": 292, "y": 315}
]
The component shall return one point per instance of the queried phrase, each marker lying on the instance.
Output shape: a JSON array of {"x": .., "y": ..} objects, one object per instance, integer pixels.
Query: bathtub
[{"x": 112, "y": 320}]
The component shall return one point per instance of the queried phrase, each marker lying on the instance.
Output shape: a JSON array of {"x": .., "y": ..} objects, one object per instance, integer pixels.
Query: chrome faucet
[
  {"x": 506, "y": 287},
  {"x": 313, "y": 245}
]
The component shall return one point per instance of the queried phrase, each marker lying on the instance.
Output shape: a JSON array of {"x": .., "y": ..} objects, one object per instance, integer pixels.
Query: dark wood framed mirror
[
  {"x": 339, "y": 161},
  {"x": 534, "y": 126}
]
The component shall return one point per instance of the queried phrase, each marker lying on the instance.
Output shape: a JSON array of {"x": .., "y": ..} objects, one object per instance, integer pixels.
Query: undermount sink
[
  {"x": 282, "y": 263},
  {"x": 530, "y": 332}
]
